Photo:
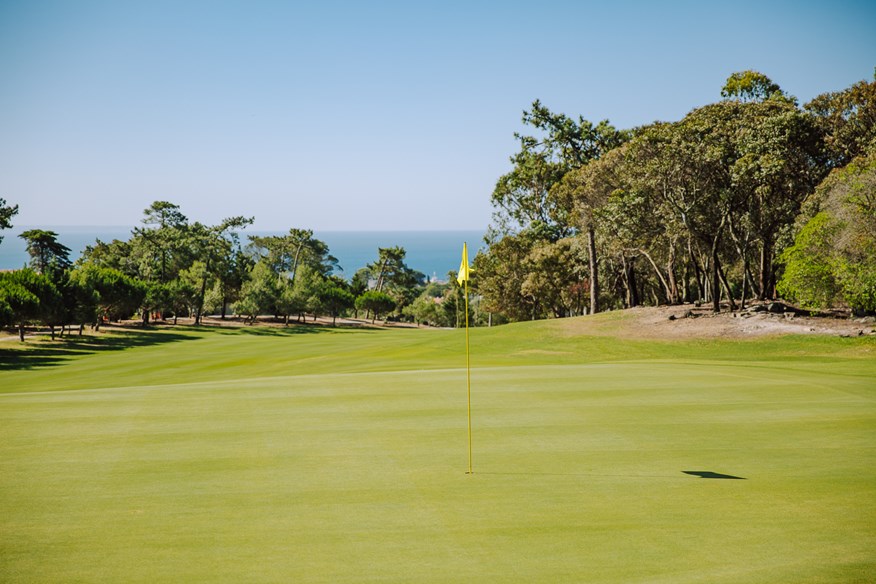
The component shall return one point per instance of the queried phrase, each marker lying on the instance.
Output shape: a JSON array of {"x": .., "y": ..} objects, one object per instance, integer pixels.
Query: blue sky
[{"x": 338, "y": 115}]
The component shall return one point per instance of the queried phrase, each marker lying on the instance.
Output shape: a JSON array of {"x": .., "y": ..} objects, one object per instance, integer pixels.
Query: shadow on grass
[
  {"x": 46, "y": 353},
  {"x": 703, "y": 474},
  {"x": 707, "y": 474},
  {"x": 293, "y": 329}
]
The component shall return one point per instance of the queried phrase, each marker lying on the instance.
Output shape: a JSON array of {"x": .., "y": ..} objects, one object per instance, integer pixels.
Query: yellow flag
[{"x": 464, "y": 270}]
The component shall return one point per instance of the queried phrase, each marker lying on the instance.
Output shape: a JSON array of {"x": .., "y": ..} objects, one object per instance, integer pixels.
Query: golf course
[{"x": 340, "y": 454}]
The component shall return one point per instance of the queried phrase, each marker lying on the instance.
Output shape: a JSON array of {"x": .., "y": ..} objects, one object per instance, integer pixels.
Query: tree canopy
[{"x": 696, "y": 210}]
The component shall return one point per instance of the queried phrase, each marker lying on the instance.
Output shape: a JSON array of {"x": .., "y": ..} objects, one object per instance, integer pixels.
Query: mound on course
[{"x": 340, "y": 455}]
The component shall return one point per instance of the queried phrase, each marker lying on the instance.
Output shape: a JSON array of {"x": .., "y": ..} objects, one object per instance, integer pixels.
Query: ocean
[{"x": 433, "y": 253}]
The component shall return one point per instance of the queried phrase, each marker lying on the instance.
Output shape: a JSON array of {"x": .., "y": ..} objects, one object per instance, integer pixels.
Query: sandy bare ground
[{"x": 689, "y": 321}]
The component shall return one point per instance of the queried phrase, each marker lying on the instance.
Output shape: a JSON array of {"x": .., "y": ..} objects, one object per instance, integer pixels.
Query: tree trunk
[
  {"x": 81, "y": 328},
  {"x": 634, "y": 284},
  {"x": 714, "y": 288},
  {"x": 629, "y": 281},
  {"x": 21, "y": 332},
  {"x": 699, "y": 273},
  {"x": 670, "y": 272},
  {"x": 686, "y": 282},
  {"x": 379, "y": 285},
  {"x": 625, "y": 280},
  {"x": 666, "y": 288},
  {"x": 201, "y": 294},
  {"x": 726, "y": 287},
  {"x": 766, "y": 263},
  {"x": 52, "y": 331},
  {"x": 594, "y": 271}
]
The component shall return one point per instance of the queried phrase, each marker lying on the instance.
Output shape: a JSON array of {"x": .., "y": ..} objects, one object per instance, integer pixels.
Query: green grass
[{"x": 264, "y": 455}]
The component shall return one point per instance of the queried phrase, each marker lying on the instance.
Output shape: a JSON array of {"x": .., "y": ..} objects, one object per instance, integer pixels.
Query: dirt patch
[{"x": 693, "y": 322}]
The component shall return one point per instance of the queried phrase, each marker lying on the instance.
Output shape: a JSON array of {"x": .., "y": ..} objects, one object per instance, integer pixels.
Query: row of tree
[
  {"x": 748, "y": 197},
  {"x": 172, "y": 266},
  {"x": 744, "y": 198}
]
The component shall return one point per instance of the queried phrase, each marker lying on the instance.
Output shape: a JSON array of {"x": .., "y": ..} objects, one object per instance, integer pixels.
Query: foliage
[
  {"x": 750, "y": 86},
  {"x": 376, "y": 302},
  {"x": 833, "y": 257},
  {"x": 286, "y": 253},
  {"x": 524, "y": 195},
  {"x": 439, "y": 304},
  {"x": 334, "y": 299},
  {"x": 689, "y": 211},
  {"x": 848, "y": 118},
  {"x": 118, "y": 295},
  {"x": 28, "y": 297},
  {"x": 7, "y": 212},
  {"x": 48, "y": 255},
  {"x": 809, "y": 277},
  {"x": 259, "y": 293}
]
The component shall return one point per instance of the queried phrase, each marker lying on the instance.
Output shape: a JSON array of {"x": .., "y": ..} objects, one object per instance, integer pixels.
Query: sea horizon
[{"x": 434, "y": 252}]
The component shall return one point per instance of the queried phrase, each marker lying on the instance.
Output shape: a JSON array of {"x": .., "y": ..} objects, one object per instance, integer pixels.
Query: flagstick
[{"x": 468, "y": 376}]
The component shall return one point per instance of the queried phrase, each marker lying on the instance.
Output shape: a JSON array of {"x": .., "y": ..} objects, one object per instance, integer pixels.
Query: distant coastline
[{"x": 432, "y": 252}]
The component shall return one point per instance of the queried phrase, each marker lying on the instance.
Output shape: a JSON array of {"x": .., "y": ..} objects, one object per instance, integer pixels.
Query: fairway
[{"x": 247, "y": 455}]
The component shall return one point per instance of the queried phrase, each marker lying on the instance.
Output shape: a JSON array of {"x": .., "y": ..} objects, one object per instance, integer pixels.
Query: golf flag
[
  {"x": 463, "y": 266},
  {"x": 462, "y": 278}
]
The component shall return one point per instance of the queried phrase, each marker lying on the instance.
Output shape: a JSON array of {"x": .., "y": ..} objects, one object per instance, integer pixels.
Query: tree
[
  {"x": 542, "y": 197},
  {"x": 584, "y": 191},
  {"x": 298, "y": 247},
  {"x": 259, "y": 294},
  {"x": 214, "y": 246},
  {"x": 778, "y": 161},
  {"x": 833, "y": 258},
  {"x": 78, "y": 304},
  {"x": 392, "y": 276},
  {"x": 160, "y": 245},
  {"x": 335, "y": 299},
  {"x": 7, "y": 212},
  {"x": 635, "y": 223},
  {"x": 848, "y": 119},
  {"x": 28, "y": 297},
  {"x": 438, "y": 304},
  {"x": 500, "y": 273},
  {"x": 119, "y": 295},
  {"x": 181, "y": 295},
  {"x": 47, "y": 255},
  {"x": 750, "y": 86},
  {"x": 117, "y": 255},
  {"x": 554, "y": 278},
  {"x": 523, "y": 196},
  {"x": 375, "y": 302},
  {"x": 390, "y": 261},
  {"x": 682, "y": 168}
]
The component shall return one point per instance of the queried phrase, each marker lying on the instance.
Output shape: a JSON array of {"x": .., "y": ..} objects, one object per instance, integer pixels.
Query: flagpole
[
  {"x": 462, "y": 278},
  {"x": 468, "y": 376}
]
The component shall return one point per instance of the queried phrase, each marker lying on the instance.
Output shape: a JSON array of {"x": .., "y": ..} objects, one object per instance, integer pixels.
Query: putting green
[{"x": 344, "y": 460}]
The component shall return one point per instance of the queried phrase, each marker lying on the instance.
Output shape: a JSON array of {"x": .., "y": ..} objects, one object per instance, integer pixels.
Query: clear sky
[{"x": 337, "y": 115}]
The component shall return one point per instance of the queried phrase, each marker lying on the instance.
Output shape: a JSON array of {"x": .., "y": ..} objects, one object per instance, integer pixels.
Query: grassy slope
[{"x": 329, "y": 456}]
